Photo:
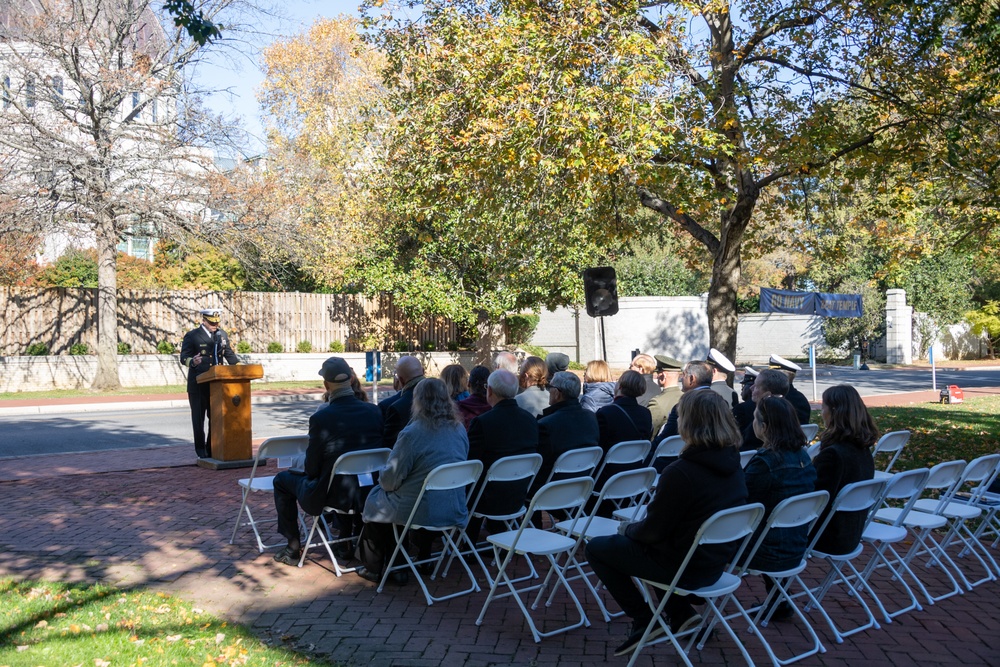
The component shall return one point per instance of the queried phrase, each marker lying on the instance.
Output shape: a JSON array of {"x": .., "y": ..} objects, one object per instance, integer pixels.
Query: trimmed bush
[
  {"x": 336, "y": 346},
  {"x": 37, "y": 350},
  {"x": 401, "y": 346},
  {"x": 429, "y": 346},
  {"x": 520, "y": 328},
  {"x": 452, "y": 346},
  {"x": 79, "y": 350},
  {"x": 274, "y": 347},
  {"x": 576, "y": 366},
  {"x": 165, "y": 347},
  {"x": 304, "y": 347},
  {"x": 243, "y": 347},
  {"x": 124, "y": 348}
]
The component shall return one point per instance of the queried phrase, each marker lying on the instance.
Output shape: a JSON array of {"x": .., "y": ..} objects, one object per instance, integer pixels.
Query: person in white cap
[
  {"x": 721, "y": 367},
  {"x": 202, "y": 348},
  {"x": 794, "y": 396}
]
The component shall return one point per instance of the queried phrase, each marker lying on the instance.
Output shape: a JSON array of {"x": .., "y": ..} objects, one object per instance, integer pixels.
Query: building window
[
  {"x": 135, "y": 100},
  {"x": 29, "y": 92},
  {"x": 55, "y": 87},
  {"x": 155, "y": 111},
  {"x": 6, "y": 92},
  {"x": 138, "y": 241}
]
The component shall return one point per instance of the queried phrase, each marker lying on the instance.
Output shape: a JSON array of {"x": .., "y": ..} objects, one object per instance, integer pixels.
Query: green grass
[
  {"x": 52, "y": 624},
  {"x": 163, "y": 389}
]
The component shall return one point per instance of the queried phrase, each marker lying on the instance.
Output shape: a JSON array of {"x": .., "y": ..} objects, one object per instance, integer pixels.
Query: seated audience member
[
  {"x": 504, "y": 430},
  {"x": 768, "y": 382},
  {"x": 476, "y": 404},
  {"x": 598, "y": 387},
  {"x": 705, "y": 479},
  {"x": 564, "y": 425},
  {"x": 744, "y": 411},
  {"x": 433, "y": 437},
  {"x": 781, "y": 469},
  {"x": 396, "y": 409},
  {"x": 555, "y": 362},
  {"x": 456, "y": 378},
  {"x": 645, "y": 365},
  {"x": 665, "y": 376},
  {"x": 721, "y": 368},
  {"x": 794, "y": 396},
  {"x": 624, "y": 419},
  {"x": 344, "y": 424},
  {"x": 505, "y": 360},
  {"x": 696, "y": 376},
  {"x": 533, "y": 396},
  {"x": 844, "y": 458}
]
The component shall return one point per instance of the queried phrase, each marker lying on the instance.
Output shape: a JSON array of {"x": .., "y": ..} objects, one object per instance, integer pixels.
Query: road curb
[{"x": 118, "y": 406}]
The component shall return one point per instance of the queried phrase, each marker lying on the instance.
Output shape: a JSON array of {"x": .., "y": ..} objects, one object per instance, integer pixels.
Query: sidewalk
[{"x": 151, "y": 517}]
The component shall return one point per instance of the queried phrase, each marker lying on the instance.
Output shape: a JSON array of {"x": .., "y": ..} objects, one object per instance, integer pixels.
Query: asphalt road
[{"x": 152, "y": 427}]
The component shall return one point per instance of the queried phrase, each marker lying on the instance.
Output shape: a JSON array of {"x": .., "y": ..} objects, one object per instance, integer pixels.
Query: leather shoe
[
  {"x": 396, "y": 578},
  {"x": 288, "y": 556}
]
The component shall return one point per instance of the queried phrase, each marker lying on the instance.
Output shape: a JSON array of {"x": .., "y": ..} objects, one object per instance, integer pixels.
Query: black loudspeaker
[{"x": 600, "y": 288}]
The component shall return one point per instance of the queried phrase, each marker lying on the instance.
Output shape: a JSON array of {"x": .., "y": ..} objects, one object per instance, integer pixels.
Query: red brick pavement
[{"x": 168, "y": 528}]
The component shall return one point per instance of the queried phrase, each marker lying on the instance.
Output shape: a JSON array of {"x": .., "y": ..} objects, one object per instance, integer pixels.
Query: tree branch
[{"x": 689, "y": 224}]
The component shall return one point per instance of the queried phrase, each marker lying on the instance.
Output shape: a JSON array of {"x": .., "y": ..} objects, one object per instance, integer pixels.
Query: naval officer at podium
[{"x": 202, "y": 348}]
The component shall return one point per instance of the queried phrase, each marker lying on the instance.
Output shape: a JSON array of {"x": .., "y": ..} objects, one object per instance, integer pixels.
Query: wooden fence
[{"x": 63, "y": 317}]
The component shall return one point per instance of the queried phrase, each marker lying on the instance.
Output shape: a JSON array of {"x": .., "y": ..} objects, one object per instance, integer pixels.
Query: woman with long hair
[
  {"x": 706, "y": 478},
  {"x": 598, "y": 386},
  {"x": 456, "y": 378},
  {"x": 844, "y": 458},
  {"x": 533, "y": 380},
  {"x": 433, "y": 437}
]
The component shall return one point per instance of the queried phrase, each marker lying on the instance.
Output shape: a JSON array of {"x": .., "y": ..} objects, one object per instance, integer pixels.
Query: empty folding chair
[
  {"x": 959, "y": 514},
  {"x": 810, "y": 430},
  {"x": 627, "y": 455},
  {"x": 463, "y": 474},
  {"x": 628, "y": 484},
  {"x": 285, "y": 450},
  {"x": 501, "y": 499},
  {"x": 726, "y": 526},
  {"x": 666, "y": 452},
  {"x": 892, "y": 444},
  {"x": 567, "y": 495},
  {"x": 574, "y": 463},
  {"x": 904, "y": 487},
  {"x": 942, "y": 476},
  {"x": 856, "y": 497},
  {"x": 364, "y": 462},
  {"x": 801, "y": 511},
  {"x": 989, "y": 502}
]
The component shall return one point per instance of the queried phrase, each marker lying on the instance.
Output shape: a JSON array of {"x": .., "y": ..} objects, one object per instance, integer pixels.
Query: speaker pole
[{"x": 604, "y": 341}]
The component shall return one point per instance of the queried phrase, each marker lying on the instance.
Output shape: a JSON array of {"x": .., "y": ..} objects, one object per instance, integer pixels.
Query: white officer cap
[
  {"x": 784, "y": 364},
  {"x": 720, "y": 361},
  {"x": 211, "y": 315}
]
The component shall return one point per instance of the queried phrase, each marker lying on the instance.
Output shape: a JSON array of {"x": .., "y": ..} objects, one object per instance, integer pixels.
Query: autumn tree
[
  {"x": 704, "y": 113},
  {"x": 97, "y": 136}
]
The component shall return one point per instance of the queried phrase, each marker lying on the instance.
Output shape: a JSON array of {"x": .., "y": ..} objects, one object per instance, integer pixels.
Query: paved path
[{"x": 153, "y": 518}]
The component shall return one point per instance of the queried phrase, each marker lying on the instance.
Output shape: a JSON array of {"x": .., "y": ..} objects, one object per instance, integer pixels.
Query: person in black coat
[
  {"x": 345, "y": 424},
  {"x": 396, "y": 409},
  {"x": 744, "y": 411},
  {"x": 769, "y": 382},
  {"x": 798, "y": 400},
  {"x": 564, "y": 425},
  {"x": 624, "y": 419},
  {"x": 202, "y": 348},
  {"x": 504, "y": 430}
]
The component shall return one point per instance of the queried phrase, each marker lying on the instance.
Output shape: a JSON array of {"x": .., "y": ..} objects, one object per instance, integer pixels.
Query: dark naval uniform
[{"x": 214, "y": 349}]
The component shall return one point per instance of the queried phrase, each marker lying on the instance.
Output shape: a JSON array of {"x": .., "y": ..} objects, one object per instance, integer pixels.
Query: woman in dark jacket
[
  {"x": 624, "y": 419},
  {"x": 706, "y": 478},
  {"x": 844, "y": 458}
]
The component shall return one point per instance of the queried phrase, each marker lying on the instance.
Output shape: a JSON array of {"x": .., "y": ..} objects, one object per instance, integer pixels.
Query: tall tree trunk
[
  {"x": 722, "y": 319},
  {"x": 490, "y": 336},
  {"x": 107, "y": 305}
]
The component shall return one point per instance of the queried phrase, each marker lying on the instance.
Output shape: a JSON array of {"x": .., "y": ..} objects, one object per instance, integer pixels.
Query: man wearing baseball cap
[{"x": 202, "y": 348}]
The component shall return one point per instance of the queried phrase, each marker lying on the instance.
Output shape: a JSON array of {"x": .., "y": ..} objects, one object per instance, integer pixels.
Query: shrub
[
  {"x": 520, "y": 328},
  {"x": 243, "y": 347},
  {"x": 576, "y": 366},
  {"x": 401, "y": 346},
  {"x": 336, "y": 346},
  {"x": 124, "y": 348},
  {"x": 79, "y": 350},
  {"x": 37, "y": 350},
  {"x": 165, "y": 347},
  {"x": 452, "y": 346},
  {"x": 274, "y": 347},
  {"x": 304, "y": 347},
  {"x": 429, "y": 346}
]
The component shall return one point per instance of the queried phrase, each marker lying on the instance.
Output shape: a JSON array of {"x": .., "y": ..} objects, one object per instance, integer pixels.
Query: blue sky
[{"x": 238, "y": 81}]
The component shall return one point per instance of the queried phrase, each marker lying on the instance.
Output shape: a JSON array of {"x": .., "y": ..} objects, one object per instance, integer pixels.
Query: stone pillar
[{"x": 899, "y": 329}]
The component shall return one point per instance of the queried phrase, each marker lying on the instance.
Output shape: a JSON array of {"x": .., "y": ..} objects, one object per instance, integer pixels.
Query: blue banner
[{"x": 809, "y": 303}]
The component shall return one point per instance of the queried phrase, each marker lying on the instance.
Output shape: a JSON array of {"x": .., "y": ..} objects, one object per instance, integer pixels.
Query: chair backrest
[
  {"x": 561, "y": 494},
  {"x": 628, "y": 451},
  {"x": 856, "y": 497},
  {"x": 580, "y": 462},
  {"x": 628, "y": 484},
  {"x": 453, "y": 476},
  {"x": 813, "y": 449},
  {"x": 810, "y": 430},
  {"x": 670, "y": 447},
  {"x": 891, "y": 443},
  {"x": 908, "y": 486},
  {"x": 945, "y": 475},
  {"x": 801, "y": 510},
  {"x": 522, "y": 468},
  {"x": 281, "y": 448},
  {"x": 746, "y": 456},
  {"x": 362, "y": 462},
  {"x": 513, "y": 468},
  {"x": 979, "y": 469}
]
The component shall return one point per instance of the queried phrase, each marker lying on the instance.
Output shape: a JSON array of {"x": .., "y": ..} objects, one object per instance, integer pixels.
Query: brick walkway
[{"x": 77, "y": 517}]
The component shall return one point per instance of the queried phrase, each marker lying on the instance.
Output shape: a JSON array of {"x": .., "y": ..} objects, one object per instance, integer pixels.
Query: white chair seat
[
  {"x": 533, "y": 541},
  {"x": 634, "y": 513},
  {"x": 913, "y": 519},
  {"x": 599, "y": 527},
  {"x": 258, "y": 483},
  {"x": 883, "y": 533},
  {"x": 727, "y": 583},
  {"x": 951, "y": 510}
]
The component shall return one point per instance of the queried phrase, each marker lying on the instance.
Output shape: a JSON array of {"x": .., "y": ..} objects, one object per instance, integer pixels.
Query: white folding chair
[
  {"x": 989, "y": 503},
  {"x": 520, "y": 469},
  {"x": 746, "y": 456},
  {"x": 801, "y": 511},
  {"x": 669, "y": 448},
  {"x": 627, "y": 455},
  {"x": 904, "y": 487},
  {"x": 857, "y": 497},
  {"x": 285, "y": 450},
  {"x": 890, "y": 443},
  {"x": 461, "y": 475},
  {"x": 628, "y": 484},
  {"x": 813, "y": 449},
  {"x": 958, "y": 514},
  {"x": 726, "y": 526},
  {"x": 942, "y": 476},
  {"x": 810, "y": 430},
  {"x": 363, "y": 462},
  {"x": 568, "y": 495},
  {"x": 576, "y": 463}
]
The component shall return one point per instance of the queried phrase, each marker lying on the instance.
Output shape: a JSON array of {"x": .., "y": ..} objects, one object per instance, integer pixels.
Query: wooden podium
[{"x": 229, "y": 415}]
